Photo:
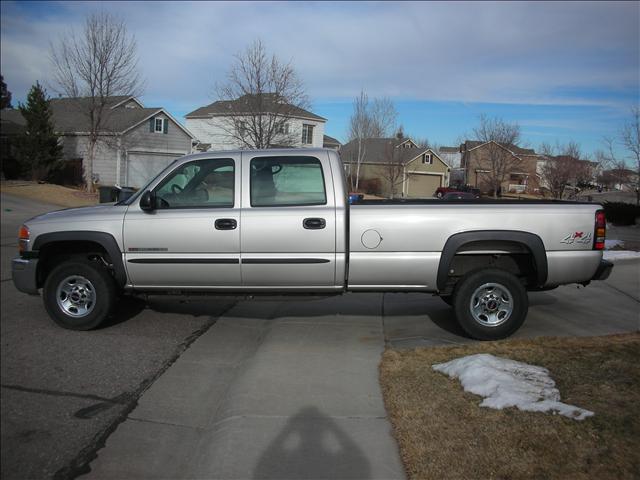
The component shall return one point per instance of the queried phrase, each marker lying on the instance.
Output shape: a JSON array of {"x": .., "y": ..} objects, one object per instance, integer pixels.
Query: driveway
[{"x": 236, "y": 387}]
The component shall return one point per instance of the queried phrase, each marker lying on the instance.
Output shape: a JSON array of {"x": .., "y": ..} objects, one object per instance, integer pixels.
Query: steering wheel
[{"x": 175, "y": 188}]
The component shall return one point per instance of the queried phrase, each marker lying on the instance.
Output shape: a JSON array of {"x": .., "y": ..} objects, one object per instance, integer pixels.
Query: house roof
[
  {"x": 269, "y": 104},
  {"x": 471, "y": 144},
  {"x": 377, "y": 150},
  {"x": 327, "y": 140},
  {"x": 69, "y": 115},
  {"x": 449, "y": 149}
]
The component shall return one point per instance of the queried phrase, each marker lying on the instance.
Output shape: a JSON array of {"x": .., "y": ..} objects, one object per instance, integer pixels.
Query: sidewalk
[{"x": 273, "y": 390}]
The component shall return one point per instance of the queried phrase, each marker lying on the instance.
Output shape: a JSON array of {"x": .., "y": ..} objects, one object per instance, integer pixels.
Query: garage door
[
  {"x": 142, "y": 167},
  {"x": 423, "y": 186}
]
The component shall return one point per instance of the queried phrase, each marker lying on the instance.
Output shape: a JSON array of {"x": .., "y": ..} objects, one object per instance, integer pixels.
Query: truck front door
[
  {"x": 288, "y": 221},
  {"x": 192, "y": 238}
]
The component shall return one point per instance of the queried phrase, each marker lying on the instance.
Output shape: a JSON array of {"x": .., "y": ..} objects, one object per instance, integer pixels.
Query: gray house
[{"x": 135, "y": 143}]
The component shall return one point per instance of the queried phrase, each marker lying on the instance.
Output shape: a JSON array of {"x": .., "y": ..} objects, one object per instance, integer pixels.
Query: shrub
[{"x": 619, "y": 213}]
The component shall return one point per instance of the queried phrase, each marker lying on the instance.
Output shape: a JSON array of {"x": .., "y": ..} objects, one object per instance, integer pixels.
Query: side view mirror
[{"x": 148, "y": 201}]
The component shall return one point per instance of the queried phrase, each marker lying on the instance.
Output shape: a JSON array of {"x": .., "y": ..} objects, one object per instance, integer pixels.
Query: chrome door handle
[{"x": 226, "y": 224}]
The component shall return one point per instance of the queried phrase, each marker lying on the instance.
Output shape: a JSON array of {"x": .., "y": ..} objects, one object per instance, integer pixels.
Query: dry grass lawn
[
  {"x": 443, "y": 433},
  {"x": 49, "y": 193}
]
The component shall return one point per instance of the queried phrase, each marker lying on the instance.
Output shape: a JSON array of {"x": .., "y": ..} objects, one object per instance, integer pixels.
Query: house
[
  {"x": 12, "y": 126},
  {"x": 396, "y": 167},
  {"x": 135, "y": 142},
  {"x": 330, "y": 142},
  {"x": 560, "y": 171},
  {"x": 134, "y": 145},
  {"x": 521, "y": 166},
  {"x": 217, "y": 124},
  {"x": 619, "y": 178}
]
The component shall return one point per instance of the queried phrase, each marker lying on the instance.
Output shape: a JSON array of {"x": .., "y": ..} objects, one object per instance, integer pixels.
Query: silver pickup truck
[{"x": 277, "y": 221}]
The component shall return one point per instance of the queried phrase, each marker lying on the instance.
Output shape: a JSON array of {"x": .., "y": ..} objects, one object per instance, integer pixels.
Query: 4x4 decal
[{"x": 577, "y": 237}]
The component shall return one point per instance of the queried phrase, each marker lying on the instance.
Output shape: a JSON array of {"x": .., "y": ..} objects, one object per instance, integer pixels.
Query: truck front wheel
[
  {"x": 78, "y": 294},
  {"x": 490, "y": 304}
]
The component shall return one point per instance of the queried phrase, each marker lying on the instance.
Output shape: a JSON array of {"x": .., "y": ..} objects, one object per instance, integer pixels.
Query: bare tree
[
  {"x": 261, "y": 94},
  {"x": 369, "y": 120},
  {"x": 630, "y": 136},
  {"x": 97, "y": 63},
  {"x": 614, "y": 171},
  {"x": 500, "y": 137},
  {"x": 393, "y": 169},
  {"x": 563, "y": 167}
]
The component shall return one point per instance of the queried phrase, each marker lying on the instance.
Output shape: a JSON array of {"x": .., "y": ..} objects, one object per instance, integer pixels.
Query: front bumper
[
  {"x": 23, "y": 272},
  {"x": 603, "y": 271}
]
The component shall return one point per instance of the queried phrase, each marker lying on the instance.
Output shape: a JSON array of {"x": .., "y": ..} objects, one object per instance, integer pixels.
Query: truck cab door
[
  {"x": 192, "y": 238},
  {"x": 288, "y": 221}
]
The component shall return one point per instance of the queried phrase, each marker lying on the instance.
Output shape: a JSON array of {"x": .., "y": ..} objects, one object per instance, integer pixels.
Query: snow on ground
[
  {"x": 507, "y": 383},
  {"x": 609, "y": 244},
  {"x": 614, "y": 255}
]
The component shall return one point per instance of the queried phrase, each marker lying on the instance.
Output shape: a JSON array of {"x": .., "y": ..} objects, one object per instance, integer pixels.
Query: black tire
[
  {"x": 79, "y": 294},
  {"x": 499, "y": 308},
  {"x": 448, "y": 299}
]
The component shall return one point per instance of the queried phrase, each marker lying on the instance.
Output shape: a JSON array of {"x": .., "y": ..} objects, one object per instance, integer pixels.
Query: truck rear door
[{"x": 288, "y": 220}]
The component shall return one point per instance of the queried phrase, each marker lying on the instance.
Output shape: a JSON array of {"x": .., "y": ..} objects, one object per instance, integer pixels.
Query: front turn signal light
[{"x": 23, "y": 239}]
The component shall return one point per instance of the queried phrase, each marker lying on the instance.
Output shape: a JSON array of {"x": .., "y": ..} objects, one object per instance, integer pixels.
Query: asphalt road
[{"x": 64, "y": 393}]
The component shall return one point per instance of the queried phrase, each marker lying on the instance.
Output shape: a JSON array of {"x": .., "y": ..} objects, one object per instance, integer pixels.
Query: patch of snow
[
  {"x": 614, "y": 255},
  {"x": 609, "y": 244},
  {"x": 507, "y": 383}
]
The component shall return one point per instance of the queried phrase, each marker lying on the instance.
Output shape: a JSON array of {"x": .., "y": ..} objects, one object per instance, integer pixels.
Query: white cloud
[{"x": 473, "y": 52}]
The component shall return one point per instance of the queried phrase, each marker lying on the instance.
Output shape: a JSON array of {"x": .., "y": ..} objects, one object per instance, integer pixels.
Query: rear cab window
[{"x": 281, "y": 181}]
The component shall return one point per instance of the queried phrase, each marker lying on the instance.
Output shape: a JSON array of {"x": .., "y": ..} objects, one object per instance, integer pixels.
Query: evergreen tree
[
  {"x": 5, "y": 95},
  {"x": 38, "y": 149}
]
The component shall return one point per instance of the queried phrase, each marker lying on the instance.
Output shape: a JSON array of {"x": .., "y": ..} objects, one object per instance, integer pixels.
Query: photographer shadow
[{"x": 312, "y": 446}]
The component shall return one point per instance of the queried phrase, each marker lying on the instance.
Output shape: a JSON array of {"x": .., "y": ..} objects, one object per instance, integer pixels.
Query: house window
[
  {"x": 283, "y": 128},
  {"x": 159, "y": 125},
  {"x": 242, "y": 128},
  {"x": 307, "y": 134},
  {"x": 427, "y": 159}
]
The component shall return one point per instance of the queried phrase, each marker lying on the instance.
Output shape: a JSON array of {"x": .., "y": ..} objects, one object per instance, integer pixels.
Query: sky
[{"x": 562, "y": 70}]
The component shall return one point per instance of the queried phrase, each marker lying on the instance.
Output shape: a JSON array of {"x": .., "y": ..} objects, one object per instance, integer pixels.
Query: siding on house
[
  {"x": 214, "y": 131},
  {"x": 174, "y": 141},
  {"x": 431, "y": 176},
  {"x": 522, "y": 174}
]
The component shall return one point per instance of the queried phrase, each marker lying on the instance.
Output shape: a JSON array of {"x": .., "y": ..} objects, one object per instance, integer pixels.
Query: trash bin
[
  {"x": 108, "y": 194},
  {"x": 355, "y": 198},
  {"x": 125, "y": 192}
]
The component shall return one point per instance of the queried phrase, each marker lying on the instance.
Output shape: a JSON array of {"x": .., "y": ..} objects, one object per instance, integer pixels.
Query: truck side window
[
  {"x": 199, "y": 184},
  {"x": 287, "y": 181}
]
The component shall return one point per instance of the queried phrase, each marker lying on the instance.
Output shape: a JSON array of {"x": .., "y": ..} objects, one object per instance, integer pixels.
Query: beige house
[
  {"x": 519, "y": 165},
  {"x": 395, "y": 167}
]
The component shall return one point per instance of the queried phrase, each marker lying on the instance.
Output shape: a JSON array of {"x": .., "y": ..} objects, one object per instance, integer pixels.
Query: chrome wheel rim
[
  {"x": 76, "y": 296},
  {"x": 491, "y": 304}
]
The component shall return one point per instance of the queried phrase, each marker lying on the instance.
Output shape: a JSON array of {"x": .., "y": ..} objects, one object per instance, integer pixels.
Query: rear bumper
[
  {"x": 603, "y": 271},
  {"x": 23, "y": 272}
]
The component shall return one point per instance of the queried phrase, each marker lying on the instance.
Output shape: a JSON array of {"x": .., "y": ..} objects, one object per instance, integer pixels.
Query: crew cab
[{"x": 278, "y": 221}]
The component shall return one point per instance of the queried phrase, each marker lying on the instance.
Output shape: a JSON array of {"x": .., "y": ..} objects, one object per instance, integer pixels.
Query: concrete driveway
[
  {"x": 266, "y": 388},
  {"x": 289, "y": 389}
]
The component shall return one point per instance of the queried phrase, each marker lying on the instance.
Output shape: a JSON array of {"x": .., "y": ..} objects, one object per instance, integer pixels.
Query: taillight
[
  {"x": 600, "y": 231},
  {"x": 23, "y": 239}
]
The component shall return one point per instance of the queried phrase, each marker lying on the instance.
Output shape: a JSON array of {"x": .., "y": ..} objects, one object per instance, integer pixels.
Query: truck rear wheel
[
  {"x": 78, "y": 294},
  {"x": 490, "y": 304}
]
